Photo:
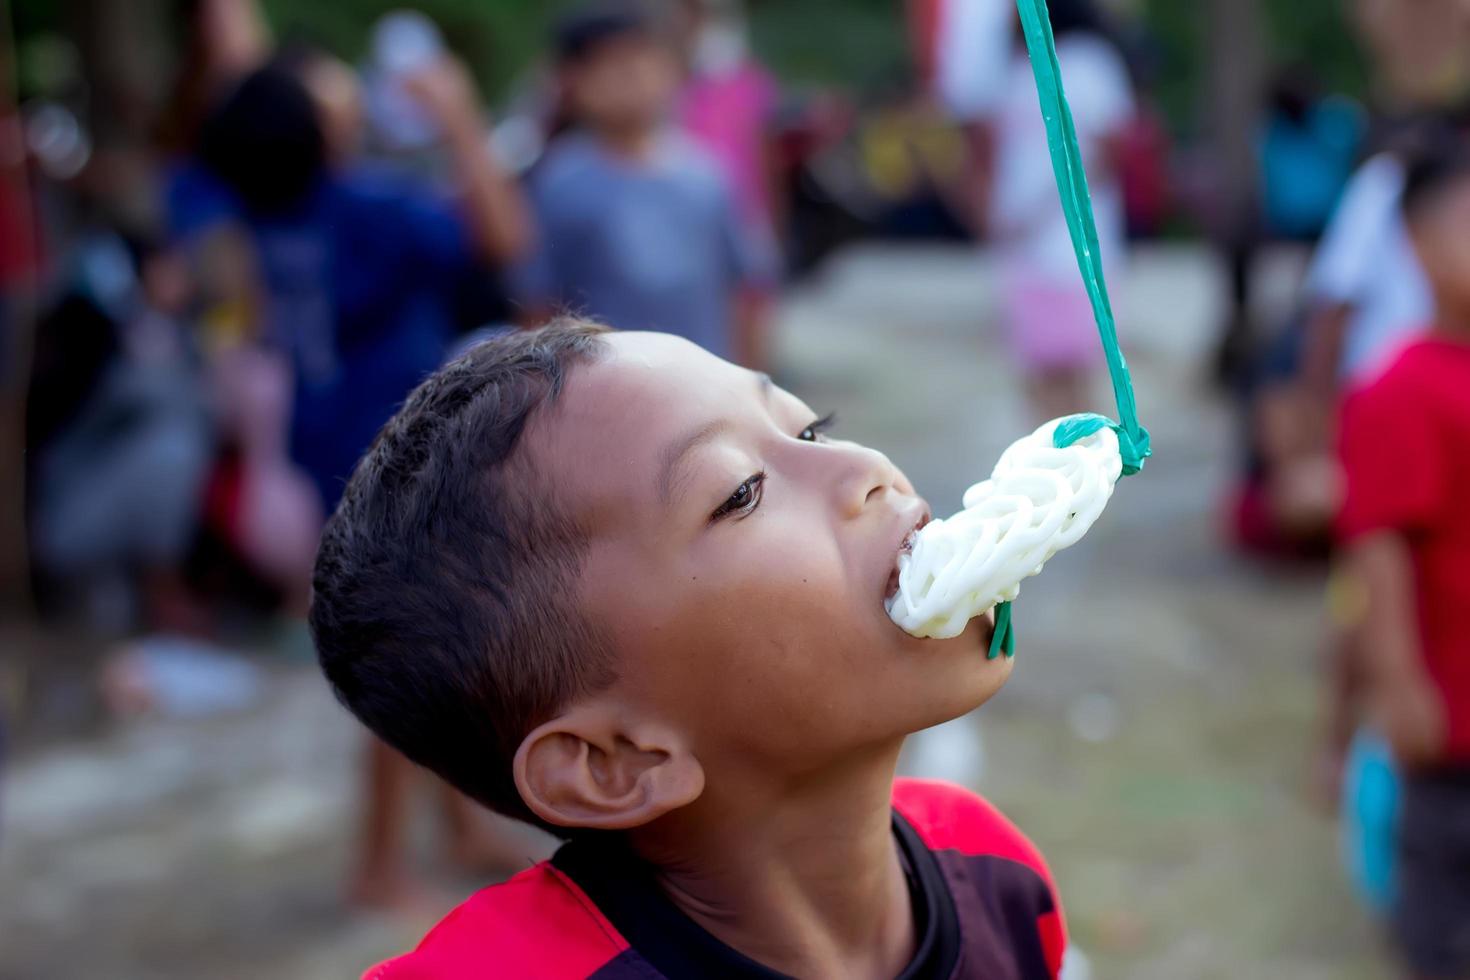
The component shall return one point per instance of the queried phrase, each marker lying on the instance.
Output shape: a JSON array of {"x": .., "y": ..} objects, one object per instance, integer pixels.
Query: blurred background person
[
  {"x": 119, "y": 439},
  {"x": 728, "y": 106},
  {"x": 637, "y": 226},
  {"x": 223, "y": 40},
  {"x": 359, "y": 270},
  {"x": 1366, "y": 288},
  {"x": 1364, "y": 294},
  {"x": 1309, "y": 141},
  {"x": 962, "y": 52},
  {"x": 1307, "y": 145},
  {"x": 1405, "y": 439}
]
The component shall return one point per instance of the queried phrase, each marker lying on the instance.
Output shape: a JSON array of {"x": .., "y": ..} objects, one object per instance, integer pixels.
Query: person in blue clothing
[
  {"x": 360, "y": 274},
  {"x": 1306, "y": 148},
  {"x": 359, "y": 269},
  {"x": 638, "y": 226}
]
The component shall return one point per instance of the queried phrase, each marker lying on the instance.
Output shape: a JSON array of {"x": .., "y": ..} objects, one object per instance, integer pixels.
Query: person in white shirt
[
  {"x": 1366, "y": 290},
  {"x": 1044, "y": 302},
  {"x": 970, "y": 51},
  {"x": 981, "y": 75}
]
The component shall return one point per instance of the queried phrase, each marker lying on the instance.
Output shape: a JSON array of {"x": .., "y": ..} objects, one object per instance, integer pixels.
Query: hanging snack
[
  {"x": 1040, "y": 499},
  {"x": 1050, "y": 487}
]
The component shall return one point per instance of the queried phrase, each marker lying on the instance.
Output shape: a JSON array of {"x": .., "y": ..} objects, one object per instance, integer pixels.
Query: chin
[
  {"x": 955, "y": 676},
  {"x": 931, "y": 681},
  {"x": 968, "y": 689}
]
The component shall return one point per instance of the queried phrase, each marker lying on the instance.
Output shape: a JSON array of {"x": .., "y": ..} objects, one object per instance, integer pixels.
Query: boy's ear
[{"x": 586, "y": 768}]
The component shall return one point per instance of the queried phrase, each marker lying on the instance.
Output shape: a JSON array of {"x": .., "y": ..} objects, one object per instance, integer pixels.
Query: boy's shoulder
[
  {"x": 1004, "y": 895},
  {"x": 537, "y": 924},
  {"x": 951, "y": 818}
]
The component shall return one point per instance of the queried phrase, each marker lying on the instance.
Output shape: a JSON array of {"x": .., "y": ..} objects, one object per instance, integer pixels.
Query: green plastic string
[
  {"x": 1066, "y": 163},
  {"x": 1003, "y": 640}
]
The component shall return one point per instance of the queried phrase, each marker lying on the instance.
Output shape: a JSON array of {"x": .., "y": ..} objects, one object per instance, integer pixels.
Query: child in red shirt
[
  {"x": 1406, "y": 457},
  {"x": 614, "y": 585}
]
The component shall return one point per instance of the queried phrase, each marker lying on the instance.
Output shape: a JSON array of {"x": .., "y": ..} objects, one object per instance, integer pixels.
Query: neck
[{"x": 803, "y": 878}]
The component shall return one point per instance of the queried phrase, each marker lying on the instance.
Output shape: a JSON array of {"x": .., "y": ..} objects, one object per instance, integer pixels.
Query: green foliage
[
  {"x": 496, "y": 38},
  {"x": 1309, "y": 32},
  {"x": 1314, "y": 33},
  {"x": 861, "y": 43},
  {"x": 856, "y": 42},
  {"x": 1176, "y": 37}
]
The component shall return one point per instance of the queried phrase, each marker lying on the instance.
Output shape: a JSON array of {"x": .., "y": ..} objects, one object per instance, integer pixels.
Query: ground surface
[{"x": 1154, "y": 739}]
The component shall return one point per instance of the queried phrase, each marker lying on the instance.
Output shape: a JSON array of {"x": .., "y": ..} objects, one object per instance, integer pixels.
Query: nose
[{"x": 862, "y": 475}]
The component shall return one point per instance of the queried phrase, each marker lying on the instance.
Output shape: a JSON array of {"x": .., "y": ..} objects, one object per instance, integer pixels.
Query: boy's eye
[
  {"x": 813, "y": 432},
  {"x": 744, "y": 500}
]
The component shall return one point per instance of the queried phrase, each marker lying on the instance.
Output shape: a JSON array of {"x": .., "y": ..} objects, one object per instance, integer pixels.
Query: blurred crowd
[{"x": 203, "y": 372}]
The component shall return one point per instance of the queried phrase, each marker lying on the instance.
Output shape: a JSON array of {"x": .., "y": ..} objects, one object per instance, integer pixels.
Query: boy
[
  {"x": 638, "y": 228},
  {"x": 612, "y": 584},
  {"x": 1406, "y": 457}
]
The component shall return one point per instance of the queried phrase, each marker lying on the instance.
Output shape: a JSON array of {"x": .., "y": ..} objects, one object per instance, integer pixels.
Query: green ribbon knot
[{"x": 1134, "y": 448}]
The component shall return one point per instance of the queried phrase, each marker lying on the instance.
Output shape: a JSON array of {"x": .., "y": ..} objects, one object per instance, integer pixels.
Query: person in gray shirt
[{"x": 637, "y": 226}]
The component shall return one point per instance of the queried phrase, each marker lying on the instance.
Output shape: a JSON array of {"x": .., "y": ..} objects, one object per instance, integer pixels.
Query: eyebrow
[{"x": 673, "y": 474}]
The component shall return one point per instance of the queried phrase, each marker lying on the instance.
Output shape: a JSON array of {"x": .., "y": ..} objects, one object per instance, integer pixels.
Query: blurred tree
[
  {"x": 1316, "y": 33},
  {"x": 14, "y": 356},
  {"x": 499, "y": 40},
  {"x": 1235, "y": 87},
  {"x": 860, "y": 43},
  {"x": 122, "y": 43}
]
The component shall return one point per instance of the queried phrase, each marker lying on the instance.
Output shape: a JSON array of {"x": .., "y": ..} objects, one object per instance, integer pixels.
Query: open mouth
[{"x": 905, "y": 546}]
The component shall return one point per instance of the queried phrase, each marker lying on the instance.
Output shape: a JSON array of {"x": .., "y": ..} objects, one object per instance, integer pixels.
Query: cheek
[
  {"x": 783, "y": 643},
  {"x": 760, "y": 612},
  {"x": 778, "y": 572}
]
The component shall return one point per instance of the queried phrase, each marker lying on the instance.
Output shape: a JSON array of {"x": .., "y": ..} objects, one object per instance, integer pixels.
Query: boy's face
[
  {"x": 624, "y": 82},
  {"x": 1444, "y": 247},
  {"x": 741, "y": 567}
]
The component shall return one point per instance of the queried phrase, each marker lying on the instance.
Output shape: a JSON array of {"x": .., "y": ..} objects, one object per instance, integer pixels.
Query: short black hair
[
  {"x": 443, "y": 608},
  {"x": 580, "y": 33},
  {"x": 264, "y": 141},
  {"x": 1435, "y": 159}
]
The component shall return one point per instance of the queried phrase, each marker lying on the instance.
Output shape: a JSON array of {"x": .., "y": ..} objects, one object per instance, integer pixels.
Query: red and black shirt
[{"x": 984, "y": 907}]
